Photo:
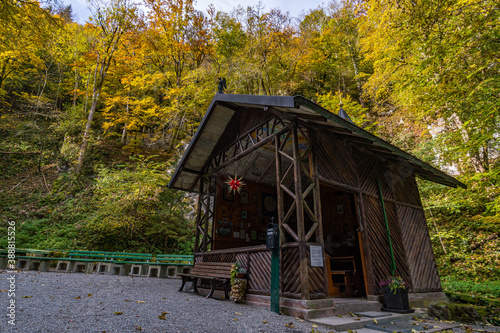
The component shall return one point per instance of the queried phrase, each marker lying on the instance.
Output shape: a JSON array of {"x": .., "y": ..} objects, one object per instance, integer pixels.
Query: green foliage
[
  {"x": 421, "y": 74},
  {"x": 479, "y": 290},
  {"x": 135, "y": 211}
]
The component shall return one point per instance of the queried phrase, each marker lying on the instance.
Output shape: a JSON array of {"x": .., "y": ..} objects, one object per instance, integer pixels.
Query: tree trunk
[
  {"x": 124, "y": 132},
  {"x": 95, "y": 97},
  {"x": 85, "y": 142}
]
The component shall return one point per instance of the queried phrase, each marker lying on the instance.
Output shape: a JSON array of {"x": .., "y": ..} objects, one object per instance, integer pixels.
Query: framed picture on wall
[
  {"x": 244, "y": 214},
  {"x": 244, "y": 197},
  {"x": 269, "y": 204},
  {"x": 228, "y": 195},
  {"x": 255, "y": 199}
]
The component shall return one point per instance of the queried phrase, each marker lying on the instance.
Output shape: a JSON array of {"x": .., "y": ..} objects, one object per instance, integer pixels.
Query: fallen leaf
[
  {"x": 264, "y": 322},
  {"x": 140, "y": 301},
  {"x": 301, "y": 320},
  {"x": 235, "y": 319},
  {"x": 314, "y": 325},
  {"x": 26, "y": 296},
  {"x": 128, "y": 300},
  {"x": 118, "y": 313},
  {"x": 90, "y": 295},
  {"x": 291, "y": 325},
  {"x": 238, "y": 313},
  {"x": 352, "y": 314},
  {"x": 375, "y": 321},
  {"x": 164, "y": 298},
  {"x": 162, "y": 316},
  {"x": 357, "y": 319}
]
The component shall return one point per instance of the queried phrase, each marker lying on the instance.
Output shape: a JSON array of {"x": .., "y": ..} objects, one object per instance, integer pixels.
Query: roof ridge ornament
[{"x": 222, "y": 85}]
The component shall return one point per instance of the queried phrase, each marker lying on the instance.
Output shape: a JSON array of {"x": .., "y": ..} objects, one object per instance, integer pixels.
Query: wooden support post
[
  {"x": 198, "y": 220},
  {"x": 207, "y": 214},
  {"x": 281, "y": 206},
  {"x": 304, "y": 267},
  {"x": 317, "y": 205}
]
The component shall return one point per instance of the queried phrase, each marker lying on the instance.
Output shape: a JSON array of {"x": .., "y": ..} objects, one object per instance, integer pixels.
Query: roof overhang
[{"x": 224, "y": 106}]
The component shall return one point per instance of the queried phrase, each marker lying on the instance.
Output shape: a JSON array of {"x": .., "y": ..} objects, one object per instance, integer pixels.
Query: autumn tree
[
  {"x": 110, "y": 20},
  {"x": 436, "y": 62}
]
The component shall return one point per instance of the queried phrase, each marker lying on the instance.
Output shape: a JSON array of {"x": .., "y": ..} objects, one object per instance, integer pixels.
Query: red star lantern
[{"x": 234, "y": 184}]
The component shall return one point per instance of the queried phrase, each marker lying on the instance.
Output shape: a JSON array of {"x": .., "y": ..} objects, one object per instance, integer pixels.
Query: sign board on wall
[{"x": 316, "y": 256}]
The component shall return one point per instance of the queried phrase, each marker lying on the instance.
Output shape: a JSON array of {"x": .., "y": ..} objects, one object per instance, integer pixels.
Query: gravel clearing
[{"x": 73, "y": 302}]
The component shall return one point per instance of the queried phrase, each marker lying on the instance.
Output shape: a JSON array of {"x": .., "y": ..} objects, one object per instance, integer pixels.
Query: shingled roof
[{"x": 224, "y": 106}]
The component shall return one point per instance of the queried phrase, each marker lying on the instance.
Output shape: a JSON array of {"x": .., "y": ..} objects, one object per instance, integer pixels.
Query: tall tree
[
  {"x": 110, "y": 20},
  {"x": 438, "y": 62}
]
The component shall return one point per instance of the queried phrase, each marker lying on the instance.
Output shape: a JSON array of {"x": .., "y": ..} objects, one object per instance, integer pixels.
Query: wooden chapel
[{"x": 327, "y": 182}]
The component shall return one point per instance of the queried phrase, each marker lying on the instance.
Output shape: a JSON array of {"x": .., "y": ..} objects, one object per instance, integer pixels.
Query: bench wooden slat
[{"x": 212, "y": 271}]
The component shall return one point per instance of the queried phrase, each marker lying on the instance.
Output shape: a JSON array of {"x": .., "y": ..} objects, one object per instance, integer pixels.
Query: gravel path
[{"x": 62, "y": 302}]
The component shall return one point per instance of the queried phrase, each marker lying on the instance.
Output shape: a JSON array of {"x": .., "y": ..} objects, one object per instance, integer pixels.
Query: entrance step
[
  {"x": 355, "y": 322},
  {"x": 399, "y": 326},
  {"x": 383, "y": 322},
  {"x": 320, "y": 308}
]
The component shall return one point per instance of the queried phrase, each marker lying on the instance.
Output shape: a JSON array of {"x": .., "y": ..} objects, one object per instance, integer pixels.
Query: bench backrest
[
  {"x": 212, "y": 269},
  {"x": 100, "y": 255},
  {"x": 343, "y": 263},
  {"x": 177, "y": 258}
]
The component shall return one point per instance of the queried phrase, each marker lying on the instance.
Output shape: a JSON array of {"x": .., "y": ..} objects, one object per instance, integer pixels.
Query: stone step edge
[{"x": 354, "y": 325}]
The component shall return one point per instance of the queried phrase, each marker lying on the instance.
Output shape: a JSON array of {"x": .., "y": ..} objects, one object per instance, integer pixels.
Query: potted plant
[
  {"x": 238, "y": 271},
  {"x": 239, "y": 286},
  {"x": 395, "y": 291}
]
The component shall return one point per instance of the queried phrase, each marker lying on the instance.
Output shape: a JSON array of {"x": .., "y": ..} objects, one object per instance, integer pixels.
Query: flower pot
[
  {"x": 396, "y": 302},
  {"x": 240, "y": 275}
]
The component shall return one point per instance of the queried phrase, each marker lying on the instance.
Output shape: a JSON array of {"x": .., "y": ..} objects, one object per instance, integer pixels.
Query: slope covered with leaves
[{"x": 93, "y": 117}]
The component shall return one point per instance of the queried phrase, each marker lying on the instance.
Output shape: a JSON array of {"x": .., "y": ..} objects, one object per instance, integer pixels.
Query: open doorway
[{"x": 343, "y": 248}]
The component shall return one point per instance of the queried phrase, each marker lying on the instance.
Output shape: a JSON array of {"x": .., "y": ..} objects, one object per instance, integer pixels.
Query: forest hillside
[{"x": 94, "y": 117}]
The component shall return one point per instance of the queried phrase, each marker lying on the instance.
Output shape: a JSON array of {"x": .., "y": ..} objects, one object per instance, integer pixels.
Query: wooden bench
[
  {"x": 215, "y": 272},
  {"x": 344, "y": 266}
]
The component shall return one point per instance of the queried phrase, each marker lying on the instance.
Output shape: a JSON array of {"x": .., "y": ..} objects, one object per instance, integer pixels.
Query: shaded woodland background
[{"x": 94, "y": 117}]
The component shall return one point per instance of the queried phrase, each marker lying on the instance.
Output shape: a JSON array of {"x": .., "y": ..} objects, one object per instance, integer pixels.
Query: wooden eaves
[{"x": 224, "y": 106}]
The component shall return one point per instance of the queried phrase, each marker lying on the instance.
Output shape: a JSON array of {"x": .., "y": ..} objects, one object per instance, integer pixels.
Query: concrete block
[
  {"x": 154, "y": 271},
  {"x": 185, "y": 269},
  {"x": 139, "y": 269},
  {"x": 4, "y": 262},
  {"x": 22, "y": 263},
  {"x": 91, "y": 268},
  {"x": 171, "y": 271},
  {"x": 80, "y": 267},
  {"x": 104, "y": 268},
  {"x": 423, "y": 300},
  {"x": 65, "y": 265},
  {"x": 44, "y": 266},
  {"x": 34, "y": 265},
  {"x": 120, "y": 269}
]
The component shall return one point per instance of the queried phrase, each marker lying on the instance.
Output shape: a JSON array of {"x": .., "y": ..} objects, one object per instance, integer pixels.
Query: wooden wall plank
[{"x": 416, "y": 239}]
